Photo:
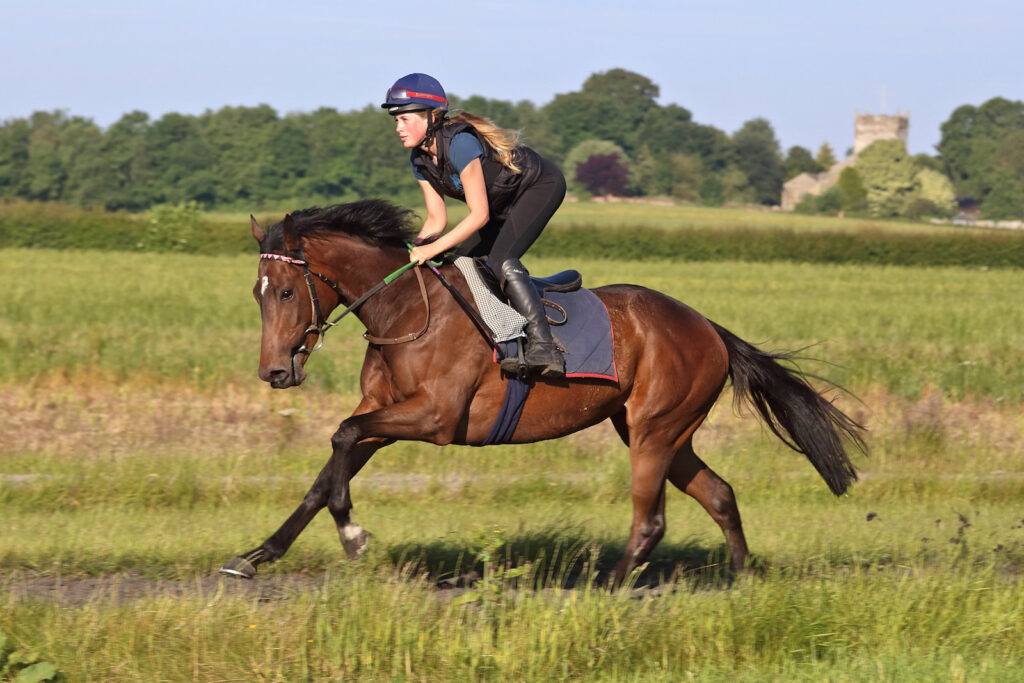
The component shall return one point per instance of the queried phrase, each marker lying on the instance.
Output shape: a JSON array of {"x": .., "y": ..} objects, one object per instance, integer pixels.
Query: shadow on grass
[{"x": 561, "y": 558}]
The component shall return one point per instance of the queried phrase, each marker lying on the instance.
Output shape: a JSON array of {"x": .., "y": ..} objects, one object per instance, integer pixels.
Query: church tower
[{"x": 868, "y": 128}]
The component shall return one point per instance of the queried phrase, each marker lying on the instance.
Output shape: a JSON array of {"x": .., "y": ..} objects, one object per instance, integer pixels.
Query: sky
[{"x": 805, "y": 66}]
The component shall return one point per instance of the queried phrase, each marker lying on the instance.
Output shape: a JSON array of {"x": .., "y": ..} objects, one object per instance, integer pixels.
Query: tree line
[{"x": 610, "y": 137}]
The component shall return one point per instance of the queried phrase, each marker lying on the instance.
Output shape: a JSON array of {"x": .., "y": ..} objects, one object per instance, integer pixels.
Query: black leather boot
[{"x": 541, "y": 350}]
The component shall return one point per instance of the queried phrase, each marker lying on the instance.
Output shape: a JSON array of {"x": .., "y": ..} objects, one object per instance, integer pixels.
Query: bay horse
[{"x": 441, "y": 385}]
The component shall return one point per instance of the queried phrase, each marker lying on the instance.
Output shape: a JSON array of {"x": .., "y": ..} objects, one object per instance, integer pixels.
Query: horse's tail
[{"x": 793, "y": 410}]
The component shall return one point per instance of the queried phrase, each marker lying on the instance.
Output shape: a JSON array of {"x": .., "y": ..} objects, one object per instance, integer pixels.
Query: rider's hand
[{"x": 422, "y": 254}]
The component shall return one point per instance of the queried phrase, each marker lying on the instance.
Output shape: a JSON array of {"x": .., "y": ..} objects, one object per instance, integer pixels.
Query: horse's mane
[{"x": 376, "y": 221}]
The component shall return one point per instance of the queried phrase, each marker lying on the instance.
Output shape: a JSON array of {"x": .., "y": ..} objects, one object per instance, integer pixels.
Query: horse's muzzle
[{"x": 282, "y": 378}]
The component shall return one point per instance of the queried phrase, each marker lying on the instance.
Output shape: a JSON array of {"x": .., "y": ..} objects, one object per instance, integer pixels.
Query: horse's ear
[
  {"x": 257, "y": 232},
  {"x": 291, "y": 233}
]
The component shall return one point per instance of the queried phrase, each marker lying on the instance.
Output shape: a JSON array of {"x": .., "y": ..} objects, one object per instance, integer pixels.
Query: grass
[
  {"x": 140, "y": 452},
  {"x": 185, "y": 318},
  {"x": 915, "y": 575}
]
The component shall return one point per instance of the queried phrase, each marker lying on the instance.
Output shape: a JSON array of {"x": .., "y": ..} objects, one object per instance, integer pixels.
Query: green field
[{"x": 140, "y": 452}]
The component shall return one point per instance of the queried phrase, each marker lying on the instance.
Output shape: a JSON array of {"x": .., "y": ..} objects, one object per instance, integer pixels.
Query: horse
[{"x": 429, "y": 375}]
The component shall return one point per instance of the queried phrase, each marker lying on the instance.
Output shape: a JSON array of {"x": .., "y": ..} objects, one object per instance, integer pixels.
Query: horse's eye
[{"x": 287, "y": 294}]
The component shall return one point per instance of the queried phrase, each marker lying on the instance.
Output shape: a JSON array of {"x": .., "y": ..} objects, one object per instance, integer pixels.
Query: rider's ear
[
  {"x": 257, "y": 232},
  {"x": 291, "y": 234}
]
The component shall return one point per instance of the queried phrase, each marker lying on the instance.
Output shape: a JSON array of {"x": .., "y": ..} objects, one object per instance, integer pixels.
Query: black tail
[{"x": 793, "y": 410}]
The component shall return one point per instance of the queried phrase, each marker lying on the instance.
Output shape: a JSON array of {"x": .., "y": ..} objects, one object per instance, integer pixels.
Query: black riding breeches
[{"x": 524, "y": 221}]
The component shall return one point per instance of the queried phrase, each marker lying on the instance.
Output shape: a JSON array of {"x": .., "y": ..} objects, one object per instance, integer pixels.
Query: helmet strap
[{"x": 434, "y": 124}]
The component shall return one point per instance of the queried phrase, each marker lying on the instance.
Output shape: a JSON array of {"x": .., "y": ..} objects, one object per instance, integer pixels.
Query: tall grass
[{"x": 864, "y": 625}]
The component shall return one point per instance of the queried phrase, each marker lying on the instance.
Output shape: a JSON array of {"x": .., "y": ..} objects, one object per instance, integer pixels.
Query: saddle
[{"x": 563, "y": 281}]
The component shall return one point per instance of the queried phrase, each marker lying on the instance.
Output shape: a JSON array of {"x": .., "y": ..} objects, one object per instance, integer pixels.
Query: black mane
[{"x": 376, "y": 221}]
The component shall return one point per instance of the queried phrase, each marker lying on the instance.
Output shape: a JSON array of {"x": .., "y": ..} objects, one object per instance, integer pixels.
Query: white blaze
[{"x": 263, "y": 287}]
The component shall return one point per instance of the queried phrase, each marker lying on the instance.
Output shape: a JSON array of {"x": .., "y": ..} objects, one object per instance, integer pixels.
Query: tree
[
  {"x": 736, "y": 187},
  {"x": 686, "y": 177},
  {"x": 648, "y": 175},
  {"x": 1005, "y": 199},
  {"x": 825, "y": 157},
  {"x": 90, "y": 176},
  {"x": 126, "y": 149},
  {"x": 288, "y": 147},
  {"x": 888, "y": 177},
  {"x": 799, "y": 160},
  {"x": 612, "y": 105},
  {"x": 239, "y": 139},
  {"x": 582, "y": 153},
  {"x": 971, "y": 141},
  {"x": 45, "y": 173},
  {"x": 180, "y": 162},
  {"x": 603, "y": 174},
  {"x": 851, "y": 190},
  {"x": 14, "y": 146},
  {"x": 933, "y": 194},
  {"x": 522, "y": 116},
  {"x": 757, "y": 156}
]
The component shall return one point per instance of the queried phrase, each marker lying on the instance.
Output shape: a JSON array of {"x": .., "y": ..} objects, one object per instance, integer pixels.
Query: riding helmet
[{"x": 415, "y": 92}]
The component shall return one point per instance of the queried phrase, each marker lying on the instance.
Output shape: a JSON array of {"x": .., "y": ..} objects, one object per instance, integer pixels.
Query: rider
[{"x": 510, "y": 190}]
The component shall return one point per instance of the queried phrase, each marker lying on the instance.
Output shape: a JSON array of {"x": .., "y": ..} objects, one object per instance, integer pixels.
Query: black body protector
[{"x": 503, "y": 186}]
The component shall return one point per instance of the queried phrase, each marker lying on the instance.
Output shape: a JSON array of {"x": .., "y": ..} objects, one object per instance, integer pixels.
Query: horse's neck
[{"x": 358, "y": 268}]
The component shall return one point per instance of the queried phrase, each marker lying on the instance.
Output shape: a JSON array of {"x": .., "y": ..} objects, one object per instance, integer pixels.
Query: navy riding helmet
[{"x": 415, "y": 92}]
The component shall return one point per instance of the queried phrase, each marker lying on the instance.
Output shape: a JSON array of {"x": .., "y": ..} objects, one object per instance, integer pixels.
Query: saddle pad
[{"x": 586, "y": 335}]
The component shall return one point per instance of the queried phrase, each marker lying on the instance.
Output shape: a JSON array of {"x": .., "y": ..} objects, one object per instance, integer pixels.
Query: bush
[
  {"x": 182, "y": 228},
  {"x": 828, "y": 203},
  {"x": 995, "y": 250},
  {"x": 58, "y": 227}
]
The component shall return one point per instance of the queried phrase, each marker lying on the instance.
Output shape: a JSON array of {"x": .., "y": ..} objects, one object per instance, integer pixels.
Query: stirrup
[{"x": 516, "y": 366}]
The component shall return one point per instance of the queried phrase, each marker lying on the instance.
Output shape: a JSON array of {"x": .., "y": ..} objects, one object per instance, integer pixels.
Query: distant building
[{"x": 867, "y": 128}]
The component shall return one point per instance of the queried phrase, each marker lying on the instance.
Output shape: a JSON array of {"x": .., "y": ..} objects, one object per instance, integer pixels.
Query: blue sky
[{"x": 805, "y": 66}]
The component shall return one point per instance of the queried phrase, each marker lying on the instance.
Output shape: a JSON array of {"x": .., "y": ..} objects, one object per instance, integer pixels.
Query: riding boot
[{"x": 541, "y": 350}]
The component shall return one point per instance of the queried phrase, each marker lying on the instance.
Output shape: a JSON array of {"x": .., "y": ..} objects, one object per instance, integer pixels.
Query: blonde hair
[{"x": 502, "y": 140}]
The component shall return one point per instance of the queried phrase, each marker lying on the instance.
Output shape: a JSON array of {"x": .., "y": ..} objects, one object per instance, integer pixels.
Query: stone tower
[{"x": 868, "y": 128}]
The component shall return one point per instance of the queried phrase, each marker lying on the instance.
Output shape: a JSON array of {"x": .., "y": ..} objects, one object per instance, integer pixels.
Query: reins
[{"x": 320, "y": 330}]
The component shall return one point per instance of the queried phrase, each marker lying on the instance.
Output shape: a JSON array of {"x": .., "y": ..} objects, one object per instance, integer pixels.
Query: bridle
[{"x": 320, "y": 330}]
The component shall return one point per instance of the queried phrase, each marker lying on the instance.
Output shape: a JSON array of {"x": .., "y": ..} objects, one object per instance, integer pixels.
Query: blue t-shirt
[{"x": 463, "y": 148}]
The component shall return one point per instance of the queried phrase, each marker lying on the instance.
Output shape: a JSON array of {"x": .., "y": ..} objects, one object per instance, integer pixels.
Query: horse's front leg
[
  {"x": 315, "y": 500},
  {"x": 410, "y": 420},
  {"x": 347, "y": 462}
]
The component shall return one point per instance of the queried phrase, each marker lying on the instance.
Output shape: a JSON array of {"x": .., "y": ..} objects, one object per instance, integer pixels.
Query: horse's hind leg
[
  {"x": 690, "y": 475},
  {"x": 648, "y": 463}
]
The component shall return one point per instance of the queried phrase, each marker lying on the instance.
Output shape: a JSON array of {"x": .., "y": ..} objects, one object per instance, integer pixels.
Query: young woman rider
[{"x": 510, "y": 190}]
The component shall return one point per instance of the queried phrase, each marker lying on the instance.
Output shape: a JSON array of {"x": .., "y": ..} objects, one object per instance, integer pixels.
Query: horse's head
[
  {"x": 286, "y": 309},
  {"x": 355, "y": 245}
]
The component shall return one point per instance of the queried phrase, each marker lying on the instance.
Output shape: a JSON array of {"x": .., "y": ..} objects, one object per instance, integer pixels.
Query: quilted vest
[{"x": 503, "y": 186}]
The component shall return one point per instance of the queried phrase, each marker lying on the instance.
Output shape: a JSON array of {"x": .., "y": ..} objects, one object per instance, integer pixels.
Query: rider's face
[{"x": 411, "y": 128}]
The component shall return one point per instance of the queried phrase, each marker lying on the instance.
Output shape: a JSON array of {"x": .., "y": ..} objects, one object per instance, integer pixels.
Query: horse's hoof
[
  {"x": 239, "y": 567},
  {"x": 354, "y": 540}
]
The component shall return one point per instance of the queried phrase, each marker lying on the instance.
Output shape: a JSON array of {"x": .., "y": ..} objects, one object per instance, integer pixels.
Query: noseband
[{"x": 320, "y": 330}]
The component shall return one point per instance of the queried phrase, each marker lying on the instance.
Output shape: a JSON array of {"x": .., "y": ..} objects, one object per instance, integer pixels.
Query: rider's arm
[
  {"x": 472, "y": 178},
  {"x": 437, "y": 212}
]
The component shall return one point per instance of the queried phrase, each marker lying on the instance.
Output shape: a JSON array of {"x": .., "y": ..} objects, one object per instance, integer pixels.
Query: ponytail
[{"x": 502, "y": 140}]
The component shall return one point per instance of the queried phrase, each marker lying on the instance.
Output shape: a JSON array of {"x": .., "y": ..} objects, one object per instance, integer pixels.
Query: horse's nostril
[{"x": 277, "y": 376}]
